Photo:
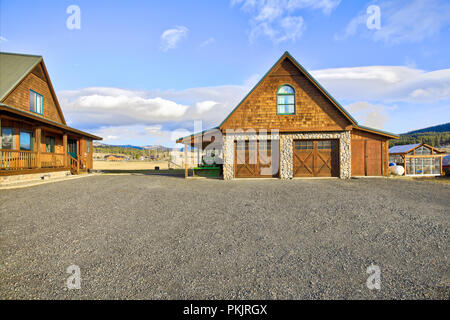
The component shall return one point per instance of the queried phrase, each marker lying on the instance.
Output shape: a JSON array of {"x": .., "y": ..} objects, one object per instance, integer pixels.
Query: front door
[{"x": 72, "y": 148}]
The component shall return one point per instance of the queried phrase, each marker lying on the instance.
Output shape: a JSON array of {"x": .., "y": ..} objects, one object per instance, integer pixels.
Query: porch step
[{"x": 19, "y": 179}]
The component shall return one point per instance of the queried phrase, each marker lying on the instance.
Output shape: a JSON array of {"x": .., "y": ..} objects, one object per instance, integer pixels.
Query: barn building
[{"x": 289, "y": 126}]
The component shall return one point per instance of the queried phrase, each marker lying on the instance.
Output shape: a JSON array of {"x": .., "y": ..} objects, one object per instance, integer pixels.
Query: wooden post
[
  {"x": 65, "y": 149},
  {"x": 185, "y": 161},
  {"x": 37, "y": 137}
]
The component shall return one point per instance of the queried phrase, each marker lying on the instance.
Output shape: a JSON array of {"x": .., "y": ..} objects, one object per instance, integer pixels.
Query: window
[
  {"x": 26, "y": 141},
  {"x": 324, "y": 145},
  {"x": 36, "y": 102},
  {"x": 286, "y": 100},
  {"x": 7, "y": 141},
  {"x": 423, "y": 151},
  {"x": 88, "y": 147},
  {"x": 303, "y": 145},
  {"x": 50, "y": 144},
  {"x": 265, "y": 145}
]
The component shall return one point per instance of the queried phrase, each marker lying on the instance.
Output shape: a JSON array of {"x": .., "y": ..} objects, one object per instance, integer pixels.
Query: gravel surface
[{"x": 160, "y": 237}]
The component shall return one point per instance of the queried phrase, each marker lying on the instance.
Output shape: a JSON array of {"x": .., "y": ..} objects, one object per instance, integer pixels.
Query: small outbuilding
[{"x": 418, "y": 159}]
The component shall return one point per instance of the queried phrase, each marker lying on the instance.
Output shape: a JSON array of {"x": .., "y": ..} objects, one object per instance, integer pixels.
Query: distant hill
[
  {"x": 134, "y": 151},
  {"x": 436, "y": 136},
  {"x": 439, "y": 128}
]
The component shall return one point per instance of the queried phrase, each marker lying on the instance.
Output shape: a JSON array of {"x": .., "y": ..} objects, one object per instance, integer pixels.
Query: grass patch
[{"x": 439, "y": 179}]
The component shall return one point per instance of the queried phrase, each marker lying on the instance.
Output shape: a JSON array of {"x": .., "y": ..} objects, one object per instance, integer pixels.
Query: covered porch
[{"x": 29, "y": 145}]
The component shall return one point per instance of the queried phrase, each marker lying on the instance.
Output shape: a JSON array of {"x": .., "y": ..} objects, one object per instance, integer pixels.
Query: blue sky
[{"x": 138, "y": 70}]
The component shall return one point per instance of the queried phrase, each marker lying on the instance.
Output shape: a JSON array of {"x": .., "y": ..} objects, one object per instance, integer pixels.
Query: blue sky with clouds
[{"x": 138, "y": 70}]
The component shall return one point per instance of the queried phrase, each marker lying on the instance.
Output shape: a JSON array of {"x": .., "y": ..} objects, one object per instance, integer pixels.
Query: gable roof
[
  {"x": 333, "y": 101},
  {"x": 403, "y": 148},
  {"x": 14, "y": 67},
  {"x": 288, "y": 56},
  {"x": 409, "y": 147}
]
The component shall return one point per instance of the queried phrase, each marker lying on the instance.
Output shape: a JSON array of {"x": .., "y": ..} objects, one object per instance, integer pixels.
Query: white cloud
[
  {"x": 278, "y": 19},
  {"x": 205, "y": 106},
  {"x": 368, "y": 114},
  {"x": 3, "y": 39},
  {"x": 403, "y": 21},
  {"x": 386, "y": 83},
  {"x": 207, "y": 42},
  {"x": 112, "y": 107},
  {"x": 171, "y": 37}
]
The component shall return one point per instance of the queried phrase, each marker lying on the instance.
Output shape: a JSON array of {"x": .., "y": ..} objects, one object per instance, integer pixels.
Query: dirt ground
[{"x": 129, "y": 165}]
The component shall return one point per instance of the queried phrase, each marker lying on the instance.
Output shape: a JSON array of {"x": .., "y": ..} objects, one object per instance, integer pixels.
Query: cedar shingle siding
[{"x": 20, "y": 96}]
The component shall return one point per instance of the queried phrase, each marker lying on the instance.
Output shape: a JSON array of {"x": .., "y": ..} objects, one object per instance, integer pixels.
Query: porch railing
[
  {"x": 17, "y": 159},
  {"x": 52, "y": 160},
  {"x": 74, "y": 165}
]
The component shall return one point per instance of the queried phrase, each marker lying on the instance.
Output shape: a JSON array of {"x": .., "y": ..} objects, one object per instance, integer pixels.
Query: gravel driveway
[{"x": 159, "y": 237}]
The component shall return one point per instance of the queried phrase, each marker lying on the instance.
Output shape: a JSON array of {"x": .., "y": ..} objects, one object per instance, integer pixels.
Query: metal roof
[
  {"x": 13, "y": 68},
  {"x": 403, "y": 148}
]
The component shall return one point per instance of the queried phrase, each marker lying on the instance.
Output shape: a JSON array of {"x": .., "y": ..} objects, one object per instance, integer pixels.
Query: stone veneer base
[{"x": 286, "y": 150}]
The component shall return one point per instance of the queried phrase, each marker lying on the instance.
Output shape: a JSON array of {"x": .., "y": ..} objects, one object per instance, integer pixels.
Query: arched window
[{"x": 286, "y": 100}]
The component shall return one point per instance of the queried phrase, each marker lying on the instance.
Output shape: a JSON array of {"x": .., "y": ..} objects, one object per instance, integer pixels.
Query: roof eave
[
  {"x": 378, "y": 131},
  {"x": 26, "y": 114}
]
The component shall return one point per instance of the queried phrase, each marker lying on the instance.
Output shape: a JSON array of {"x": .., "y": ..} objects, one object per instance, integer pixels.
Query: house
[
  {"x": 35, "y": 138},
  {"x": 418, "y": 159},
  {"x": 114, "y": 157},
  {"x": 290, "y": 126}
]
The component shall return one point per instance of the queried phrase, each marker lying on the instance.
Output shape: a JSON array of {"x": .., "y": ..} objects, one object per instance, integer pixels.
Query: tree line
[
  {"x": 434, "y": 139},
  {"x": 134, "y": 153}
]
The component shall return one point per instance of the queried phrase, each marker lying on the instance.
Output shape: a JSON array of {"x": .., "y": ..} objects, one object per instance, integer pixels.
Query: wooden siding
[
  {"x": 314, "y": 111},
  {"x": 369, "y": 154},
  {"x": 20, "y": 96}
]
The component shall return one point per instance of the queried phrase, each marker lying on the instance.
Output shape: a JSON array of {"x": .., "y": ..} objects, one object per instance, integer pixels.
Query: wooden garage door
[
  {"x": 254, "y": 159},
  {"x": 316, "y": 158}
]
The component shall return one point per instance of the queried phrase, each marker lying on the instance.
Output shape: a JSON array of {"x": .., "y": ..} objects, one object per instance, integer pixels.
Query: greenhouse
[{"x": 417, "y": 159}]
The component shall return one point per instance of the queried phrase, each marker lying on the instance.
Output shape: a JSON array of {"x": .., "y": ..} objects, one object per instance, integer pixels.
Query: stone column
[
  {"x": 286, "y": 157},
  {"x": 345, "y": 155},
  {"x": 228, "y": 157}
]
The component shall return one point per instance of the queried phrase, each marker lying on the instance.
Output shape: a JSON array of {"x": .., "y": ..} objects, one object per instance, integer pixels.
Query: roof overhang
[
  {"x": 28, "y": 115},
  {"x": 377, "y": 131},
  {"x": 205, "y": 137}
]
